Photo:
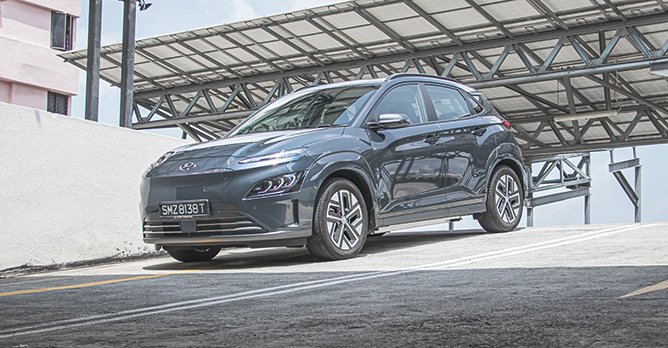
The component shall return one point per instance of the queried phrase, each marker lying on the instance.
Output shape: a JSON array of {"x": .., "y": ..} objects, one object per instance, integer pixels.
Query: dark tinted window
[
  {"x": 405, "y": 100},
  {"x": 448, "y": 103},
  {"x": 57, "y": 103},
  {"x": 61, "y": 31}
]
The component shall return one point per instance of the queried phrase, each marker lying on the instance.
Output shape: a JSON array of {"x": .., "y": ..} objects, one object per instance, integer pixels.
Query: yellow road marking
[
  {"x": 656, "y": 287},
  {"x": 85, "y": 285}
]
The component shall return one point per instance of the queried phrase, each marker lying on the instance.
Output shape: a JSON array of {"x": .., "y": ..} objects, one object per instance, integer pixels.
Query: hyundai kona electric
[{"x": 327, "y": 166}]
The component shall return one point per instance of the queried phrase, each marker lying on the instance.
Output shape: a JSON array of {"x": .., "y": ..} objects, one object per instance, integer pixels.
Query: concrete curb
[{"x": 35, "y": 269}]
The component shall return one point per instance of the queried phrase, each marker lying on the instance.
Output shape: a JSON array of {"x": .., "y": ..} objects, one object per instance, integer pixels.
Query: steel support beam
[
  {"x": 574, "y": 72},
  {"x": 632, "y": 192},
  {"x": 128, "y": 62},
  {"x": 93, "y": 60},
  {"x": 587, "y": 198},
  {"x": 558, "y": 197},
  {"x": 632, "y": 163},
  {"x": 172, "y": 122}
]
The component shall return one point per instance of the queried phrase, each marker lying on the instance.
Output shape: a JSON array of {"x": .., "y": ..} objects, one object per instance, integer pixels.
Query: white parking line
[{"x": 303, "y": 286}]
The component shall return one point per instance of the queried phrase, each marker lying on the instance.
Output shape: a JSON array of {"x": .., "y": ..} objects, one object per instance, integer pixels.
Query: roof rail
[
  {"x": 360, "y": 81},
  {"x": 304, "y": 87},
  {"x": 398, "y": 75}
]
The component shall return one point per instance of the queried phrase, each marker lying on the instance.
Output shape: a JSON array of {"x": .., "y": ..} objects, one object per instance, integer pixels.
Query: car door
[
  {"x": 409, "y": 159},
  {"x": 467, "y": 144}
]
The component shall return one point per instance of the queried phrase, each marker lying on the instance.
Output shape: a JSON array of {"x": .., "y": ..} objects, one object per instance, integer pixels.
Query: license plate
[{"x": 184, "y": 209}]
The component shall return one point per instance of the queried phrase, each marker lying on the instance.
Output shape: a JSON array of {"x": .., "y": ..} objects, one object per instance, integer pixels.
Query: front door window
[{"x": 405, "y": 100}]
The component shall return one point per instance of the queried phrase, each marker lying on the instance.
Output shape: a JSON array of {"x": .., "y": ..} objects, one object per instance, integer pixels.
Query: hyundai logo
[{"x": 187, "y": 166}]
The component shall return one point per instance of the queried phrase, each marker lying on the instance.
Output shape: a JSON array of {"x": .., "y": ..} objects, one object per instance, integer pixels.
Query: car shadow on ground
[
  {"x": 402, "y": 240},
  {"x": 235, "y": 259}
]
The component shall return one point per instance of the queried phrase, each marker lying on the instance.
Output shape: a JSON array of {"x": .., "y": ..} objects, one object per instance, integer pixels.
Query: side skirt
[{"x": 453, "y": 213}]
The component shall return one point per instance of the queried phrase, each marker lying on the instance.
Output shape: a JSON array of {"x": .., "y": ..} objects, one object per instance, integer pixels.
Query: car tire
[
  {"x": 505, "y": 200},
  {"x": 193, "y": 255},
  {"x": 340, "y": 221}
]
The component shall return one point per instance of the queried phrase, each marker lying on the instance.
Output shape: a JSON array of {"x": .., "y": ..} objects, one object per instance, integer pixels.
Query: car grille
[{"x": 203, "y": 228}]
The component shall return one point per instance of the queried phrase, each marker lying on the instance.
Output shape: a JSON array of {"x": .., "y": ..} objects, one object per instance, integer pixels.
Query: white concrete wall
[{"x": 69, "y": 188}]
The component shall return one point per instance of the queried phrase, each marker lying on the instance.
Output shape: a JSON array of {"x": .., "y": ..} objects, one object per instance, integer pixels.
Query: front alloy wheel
[
  {"x": 344, "y": 220},
  {"x": 340, "y": 223},
  {"x": 505, "y": 198}
]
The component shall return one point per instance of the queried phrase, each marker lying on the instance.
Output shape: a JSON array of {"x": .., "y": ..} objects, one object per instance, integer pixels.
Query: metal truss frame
[
  {"x": 632, "y": 192},
  {"x": 597, "y": 61},
  {"x": 569, "y": 174},
  {"x": 592, "y": 65}
]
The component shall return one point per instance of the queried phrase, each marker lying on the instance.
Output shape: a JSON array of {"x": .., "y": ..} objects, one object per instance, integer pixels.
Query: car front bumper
[
  {"x": 235, "y": 220},
  {"x": 258, "y": 240}
]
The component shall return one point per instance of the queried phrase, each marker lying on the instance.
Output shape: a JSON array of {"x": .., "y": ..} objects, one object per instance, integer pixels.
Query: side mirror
[{"x": 389, "y": 121}]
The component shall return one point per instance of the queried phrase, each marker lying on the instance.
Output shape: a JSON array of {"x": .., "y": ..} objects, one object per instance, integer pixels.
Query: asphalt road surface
[{"x": 597, "y": 285}]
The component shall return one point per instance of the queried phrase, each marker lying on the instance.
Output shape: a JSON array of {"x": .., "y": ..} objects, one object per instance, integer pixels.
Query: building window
[
  {"x": 57, "y": 103},
  {"x": 62, "y": 31}
]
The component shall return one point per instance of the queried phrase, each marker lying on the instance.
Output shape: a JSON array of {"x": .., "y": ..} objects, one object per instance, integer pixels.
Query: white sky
[{"x": 609, "y": 203}]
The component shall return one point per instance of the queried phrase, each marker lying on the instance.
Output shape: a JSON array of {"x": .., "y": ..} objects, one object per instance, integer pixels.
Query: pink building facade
[{"x": 32, "y": 34}]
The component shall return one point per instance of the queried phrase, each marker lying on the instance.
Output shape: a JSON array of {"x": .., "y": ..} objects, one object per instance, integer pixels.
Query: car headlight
[
  {"x": 161, "y": 160},
  {"x": 278, "y": 184},
  {"x": 277, "y": 157}
]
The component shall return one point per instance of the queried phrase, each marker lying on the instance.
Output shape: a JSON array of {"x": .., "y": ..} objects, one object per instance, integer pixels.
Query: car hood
[{"x": 256, "y": 144}]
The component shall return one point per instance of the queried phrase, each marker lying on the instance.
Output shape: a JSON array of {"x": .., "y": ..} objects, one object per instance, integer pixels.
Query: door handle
[
  {"x": 431, "y": 139},
  {"x": 479, "y": 131}
]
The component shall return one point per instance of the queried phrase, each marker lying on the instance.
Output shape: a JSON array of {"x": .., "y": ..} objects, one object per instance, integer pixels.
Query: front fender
[{"x": 330, "y": 163}]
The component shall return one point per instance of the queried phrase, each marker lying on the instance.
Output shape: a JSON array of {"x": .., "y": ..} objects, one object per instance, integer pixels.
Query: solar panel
[{"x": 601, "y": 49}]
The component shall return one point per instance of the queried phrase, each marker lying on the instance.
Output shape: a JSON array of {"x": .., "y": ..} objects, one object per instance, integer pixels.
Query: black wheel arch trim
[
  {"x": 504, "y": 153},
  {"x": 346, "y": 161}
]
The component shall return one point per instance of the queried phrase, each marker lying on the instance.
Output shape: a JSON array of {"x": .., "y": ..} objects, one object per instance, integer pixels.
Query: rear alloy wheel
[
  {"x": 194, "y": 255},
  {"x": 340, "y": 223},
  {"x": 505, "y": 198}
]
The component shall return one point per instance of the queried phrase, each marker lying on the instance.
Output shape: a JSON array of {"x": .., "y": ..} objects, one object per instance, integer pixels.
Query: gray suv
[{"x": 327, "y": 166}]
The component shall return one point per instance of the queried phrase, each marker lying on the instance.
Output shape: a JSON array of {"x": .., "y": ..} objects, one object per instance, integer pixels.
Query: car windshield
[{"x": 315, "y": 109}]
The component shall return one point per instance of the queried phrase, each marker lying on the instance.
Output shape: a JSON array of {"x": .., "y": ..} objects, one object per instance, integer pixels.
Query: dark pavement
[{"x": 534, "y": 287}]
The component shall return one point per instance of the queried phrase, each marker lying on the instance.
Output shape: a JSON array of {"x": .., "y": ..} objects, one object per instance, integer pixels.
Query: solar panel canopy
[{"x": 536, "y": 60}]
